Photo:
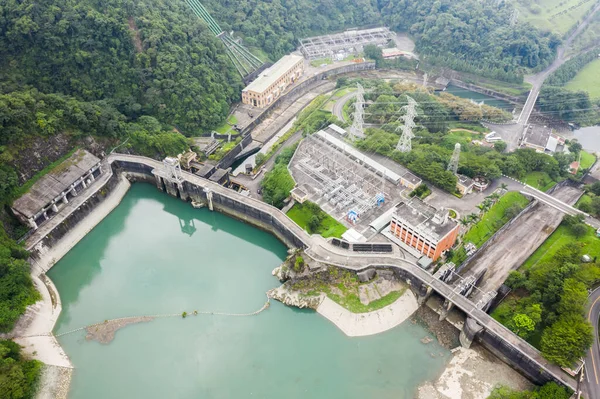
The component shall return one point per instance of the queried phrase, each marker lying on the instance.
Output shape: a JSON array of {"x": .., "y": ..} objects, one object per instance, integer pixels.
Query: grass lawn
[
  {"x": 227, "y": 125},
  {"x": 329, "y": 227},
  {"x": 344, "y": 291},
  {"x": 351, "y": 301},
  {"x": 587, "y": 159},
  {"x": 540, "y": 180},
  {"x": 462, "y": 136},
  {"x": 468, "y": 127},
  {"x": 543, "y": 14},
  {"x": 329, "y": 106},
  {"x": 319, "y": 62},
  {"x": 588, "y": 79},
  {"x": 342, "y": 92},
  {"x": 493, "y": 219},
  {"x": 562, "y": 236},
  {"x": 585, "y": 199}
]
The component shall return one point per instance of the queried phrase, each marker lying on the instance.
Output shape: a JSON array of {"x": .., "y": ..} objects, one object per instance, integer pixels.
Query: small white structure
[
  {"x": 353, "y": 236},
  {"x": 492, "y": 137}
]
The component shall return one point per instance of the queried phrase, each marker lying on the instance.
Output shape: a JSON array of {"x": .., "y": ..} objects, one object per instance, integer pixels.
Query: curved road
[
  {"x": 592, "y": 360},
  {"x": 338, "y": 107}
]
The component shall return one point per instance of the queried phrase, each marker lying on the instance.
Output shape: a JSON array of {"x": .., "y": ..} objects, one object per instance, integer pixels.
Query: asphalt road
[
  {"x": 338, "y": 107},
  {"x": 592, "y": 360}
]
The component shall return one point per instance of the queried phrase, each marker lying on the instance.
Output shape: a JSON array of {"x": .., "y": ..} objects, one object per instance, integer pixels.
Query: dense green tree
[
  {"x": 549, "y": 390},
  {"x": 573, "y": 298},
  {"x": 277, "y": 185},
  {"x": 565, "y": 104},
  {"x": 153, "y": 57},
  {"x": 17, "y": 375},
  {"x": 567, "y": 340},
  {"x": 471, "y": 35},
  {"x": 373, "y": 52}
]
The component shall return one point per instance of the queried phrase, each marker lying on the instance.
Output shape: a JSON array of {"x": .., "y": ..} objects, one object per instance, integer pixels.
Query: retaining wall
[
  {"x": 515, "y": 359},
  {"x": 229, "y": 158},
  {"x": 304, "y": 86}
]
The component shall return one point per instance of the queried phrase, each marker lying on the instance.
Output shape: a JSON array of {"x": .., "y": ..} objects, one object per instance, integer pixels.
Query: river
[{"x": 155, "y": 254}]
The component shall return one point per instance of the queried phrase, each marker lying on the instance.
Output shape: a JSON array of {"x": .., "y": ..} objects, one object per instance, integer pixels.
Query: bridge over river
[{"x": 492, "y": 334}]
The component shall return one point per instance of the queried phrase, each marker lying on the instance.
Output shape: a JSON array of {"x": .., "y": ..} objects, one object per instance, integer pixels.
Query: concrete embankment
[
  {"x": 34, "y": 329},
  {"x": 192, "y": 188}
]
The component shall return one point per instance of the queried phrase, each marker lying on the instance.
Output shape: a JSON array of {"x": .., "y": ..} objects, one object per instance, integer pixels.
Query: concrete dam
[{"x": 192, "y": 188}]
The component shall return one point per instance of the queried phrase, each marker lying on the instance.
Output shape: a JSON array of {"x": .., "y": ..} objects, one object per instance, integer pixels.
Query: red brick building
[{"x": 424, "y": 228}]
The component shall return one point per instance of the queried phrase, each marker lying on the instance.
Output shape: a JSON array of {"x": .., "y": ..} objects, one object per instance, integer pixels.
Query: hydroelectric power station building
[
  {"x": 54, "y": 190},
  {"x": 423, "y": 228},
  {"x": 272, "y": 82}
]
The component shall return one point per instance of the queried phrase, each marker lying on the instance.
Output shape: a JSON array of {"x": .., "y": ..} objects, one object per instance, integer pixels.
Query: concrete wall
[
  {"x": 191, "y": 192},
  {"x": 77, "y": 216},
  {"x": 229, "y": 158},
  {"x": 515, "y": 359}
]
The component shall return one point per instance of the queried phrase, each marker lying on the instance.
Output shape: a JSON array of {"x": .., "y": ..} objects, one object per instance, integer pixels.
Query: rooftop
[
  {"x": 270, "y": 75},
  {"x": 426, "y": 219},
  {"x": 538, "y": 135},
  {"x": 218, "y": 175},
  {"x": 333, "y": 128},
  {"x": 351, "y": 151},
  {"x": 464, "y": 181},
  {"x": 300, "y": 192},
  {"x": 50, "y": 186},
  {"x": 411, "y": 178}
]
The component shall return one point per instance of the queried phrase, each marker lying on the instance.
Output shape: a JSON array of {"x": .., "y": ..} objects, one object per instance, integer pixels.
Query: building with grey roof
[
  {"x": 52, "y": 191},
  {"x": 541, "y": 139}
]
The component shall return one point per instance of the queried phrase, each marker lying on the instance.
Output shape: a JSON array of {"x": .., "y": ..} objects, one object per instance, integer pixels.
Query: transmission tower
[
  {"x": 405, "y": 142},
  {"x": 357, "y": 129},
  {"x": 453, "y": 164},
  {"x": 244, "y": 61},
  {"x": 425, "y": 77}
]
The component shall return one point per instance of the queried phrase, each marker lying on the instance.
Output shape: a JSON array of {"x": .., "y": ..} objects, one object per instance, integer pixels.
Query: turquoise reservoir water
[
  {"x": 155, "y": 254},
  {"x": 477, "y": 97}
]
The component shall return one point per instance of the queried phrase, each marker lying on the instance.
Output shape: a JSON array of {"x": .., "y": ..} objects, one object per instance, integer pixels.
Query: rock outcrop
[
  {"x": 282, "y": 273},
  {"x": 289, "y": 298}
]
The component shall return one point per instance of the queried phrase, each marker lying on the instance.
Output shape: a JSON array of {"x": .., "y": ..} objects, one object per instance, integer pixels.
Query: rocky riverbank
[
  {"x": 54, "y": 382},
  {"x": 365, "y": 304},
  {"x": 470, "y": 373}
]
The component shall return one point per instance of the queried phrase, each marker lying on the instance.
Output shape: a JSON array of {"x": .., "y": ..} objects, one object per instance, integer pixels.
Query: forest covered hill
[
  {"x": 468, "y": 35},
  {"x": 150, "y": 57}
]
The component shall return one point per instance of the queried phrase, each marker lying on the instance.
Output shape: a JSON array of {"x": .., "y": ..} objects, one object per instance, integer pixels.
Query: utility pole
[
  {"x": 453, "y": 164},
  {"x": 405, "y": 142}
]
